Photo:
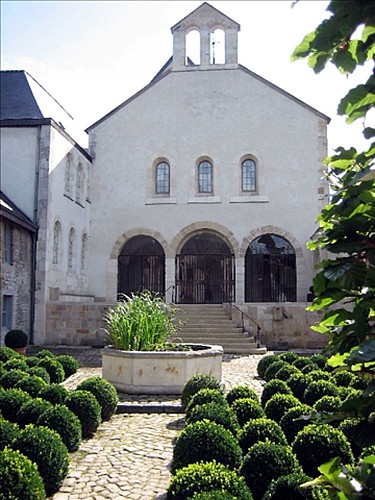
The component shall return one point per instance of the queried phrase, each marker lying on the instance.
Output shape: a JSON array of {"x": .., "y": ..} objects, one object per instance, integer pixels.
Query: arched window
[
  {"x": 249, "y": 175},
  {"x": 217, "y": 53},
  {"x": 79, "y": 183},
  {"x": 205, "y": 177},
  {"x": 84, "y": 252},
  {"x": 193, "y": 48},
  {"x": 69, "y": 174},
  {"x": 56, "y": 242},
  {"x": 162, "y": 177},
  {"x": 270, "y": 270},
  {"x": 71, "y": 243}
]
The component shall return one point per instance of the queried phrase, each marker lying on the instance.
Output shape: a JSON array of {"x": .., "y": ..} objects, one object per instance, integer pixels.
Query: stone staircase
[{"x": 210, "y": 324}]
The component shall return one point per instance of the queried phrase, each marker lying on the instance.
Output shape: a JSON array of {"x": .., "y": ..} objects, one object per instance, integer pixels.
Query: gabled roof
[
  {"x": 11, "y": 212},
  {"x": 203, "y": 10},
  {"x": 23, "y": 98}
]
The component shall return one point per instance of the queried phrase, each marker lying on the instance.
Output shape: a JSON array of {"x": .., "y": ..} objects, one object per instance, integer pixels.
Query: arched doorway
[
  {"x": 141, "y": 266},
  {"x": 270, "y": 270},
  {"x": 204, "y": 271}
]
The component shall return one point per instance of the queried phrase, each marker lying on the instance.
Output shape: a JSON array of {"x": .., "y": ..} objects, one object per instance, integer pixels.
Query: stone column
[{"x": 240, "y": 279}]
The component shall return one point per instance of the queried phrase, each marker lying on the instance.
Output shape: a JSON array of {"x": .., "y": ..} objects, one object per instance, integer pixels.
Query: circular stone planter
[{"x": 164, "y": 372}]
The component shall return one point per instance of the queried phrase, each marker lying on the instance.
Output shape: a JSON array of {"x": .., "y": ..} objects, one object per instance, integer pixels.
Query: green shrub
[
  {"x": 215, "y": 412},
  {"x": 344, "y": 379},
  {"x": 317, "y": 389},
  {"x": 45, "y": 353},
  {"x": 289, "y": 356},
  {"x": 18, "y": 363},
  {"x": 31, "y": 411},
  {"x": 359, "y": 383},
  {"x": 318, "y": 375},
  {"x": 19, "y": 477},
  {"x": 60, "y": 419},
  {"x": 11, "y": 401},
  {"x": 275, "y": 386},
  {"x": 54, "y": 368},
  {"x": 31, "y": 361},
  {"x": 289, "y": 423},
  {"x": 349, "y": 426},
  {"x": 195, "y": 384},
  {"x": 240, "y": 392},
  {"x": 328, "y": 404},
  {"x": 69, "y": 363},
  {"x": 298, "y": 384},
  {"x": 260, "y": 429},
  {"x": 309, "y": 368},
  {"x": 265, "y": 462},
  {"x": 206, "y": 396},
  {"x": 303, "y": 361},
  {"x": 213, "y": 495},
  {"x": 247, "y": 409},
  {"x": 206, "y": 441},
  {"x": 369, "y": 450},
  {"x": 55, "y": 394},
  {"x": 16, "y": 338},
  {"x": 265, "y": 362},
  {"x": 7, "y": 353},
  {"x": 85, "y": 405},
  {"x": 317, "y": 444},
  {"x": 289, "y": 488},
  {"x": 279, "y": 404},
  {"x": 271, "y": 371},
  {"x": 8, "y": 433},
  {"x": 286, "y": 372},
  {"x": 11, "y": 378},
  {"x": 105, "y": 394},
  {"x": 39, "y": 371},
  {"x": 207, "y": 477},
  {"x": 32, "y": 385},
  {"x": 321, "y": 361},
  {"x": 45, "y": 447}
]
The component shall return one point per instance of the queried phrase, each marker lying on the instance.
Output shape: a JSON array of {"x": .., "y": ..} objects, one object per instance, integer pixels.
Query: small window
[
  {"x": 67, "y": 174},
  {"x": 248, "y": 175},
  {"x": 84, "y": 252},
  {"x": 56, "y": 242},
  {"x": 8, "y": 244},
  {"x": 6, "y": 320},
  {"x": 71, "y": 248},
  {"x": 79, "y": 183},
  {"x": 162, "y": 177},
  {"x": 205, "y": 177}
]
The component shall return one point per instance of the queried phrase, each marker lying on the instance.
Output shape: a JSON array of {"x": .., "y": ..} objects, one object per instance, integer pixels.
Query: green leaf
[
  {"x": 365, "y": 352},
  {"x": 303, "y": 49}
]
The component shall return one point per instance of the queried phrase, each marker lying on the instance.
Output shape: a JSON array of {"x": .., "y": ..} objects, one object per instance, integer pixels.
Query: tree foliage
[{"x": 345, "y": 282}]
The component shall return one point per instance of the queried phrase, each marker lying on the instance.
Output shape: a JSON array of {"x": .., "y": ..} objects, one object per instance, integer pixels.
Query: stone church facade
[{"x": 205, "y": 187}]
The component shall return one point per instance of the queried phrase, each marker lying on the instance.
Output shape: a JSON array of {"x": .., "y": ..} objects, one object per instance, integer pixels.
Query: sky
[{"x": 93, "y": 55}]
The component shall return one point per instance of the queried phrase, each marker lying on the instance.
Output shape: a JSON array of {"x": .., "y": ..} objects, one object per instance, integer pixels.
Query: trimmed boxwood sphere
[
  {"x": 60, "y": 419},
  {"x": 18, "y": 363},
  {"x": 319, "y": 375},
  {"x": 54, "y": 368},
  {"x": 55, "y": 394},
  {"x": 11, "y": 378},
  {"x": 215, "y": 412},
  {"x": 45, "y": 447},
  {"x": 303, "y": 361},
  {"x": 39, "y": 371},
  {"x": 260, "y": 429},
  {"x": 289, "y": 488},
  {"x": 265, "y": 362},
  {"x": 212, "y": 495},
  {"x": 298, "y": 384},
  {"x": 207, "y": 477},
  {"x": 31, "y": 411},
  {"x": 45, "y": 353},
  {"x": 104, "y": 392},
  {"x": 343, "y": 379},
  {"x": 289, "y": 356},
  {"x": 271, "y": 371},
  {"x": 289, "y": 423},
  {"x": 275, "y": 386},
  {"x": 206, "y": 441},
  {"x": 7, "y": 353},
  {"x": 195, "y": 384},
  {"x": 11, "y": 401},
  {"x": 206, "y": 396},
  {"x": 8, "y": 433},
  {"x": 265, "y": 462},
  {"x": 286, "y": 372},
  {"x": 349, "y": 427},
  {"x": 69, "y": 363},
  {"x": 279, "y": 404},
  {"x": 247, "y": 409},
  {"x": 32, "y": 385},
  {"x": 86, "y": 407},
  {"x": 318, "y": 444},
  {"x": 19, "y": 477},
  {"x": 240, "y": 392},
  {"x": 321, "y": 361},
  {"x": 317, "y": 389},
  {"x": 328, "y": 404}
]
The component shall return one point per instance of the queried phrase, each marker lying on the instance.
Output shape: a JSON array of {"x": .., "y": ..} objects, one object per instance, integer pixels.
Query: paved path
[{"x": 129, "y": 456}]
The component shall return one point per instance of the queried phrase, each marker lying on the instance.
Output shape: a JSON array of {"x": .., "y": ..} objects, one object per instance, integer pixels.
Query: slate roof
[{"x": 10, "y": 211}]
